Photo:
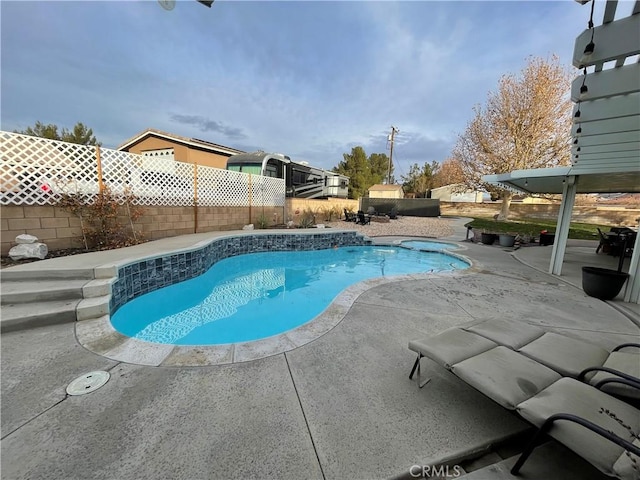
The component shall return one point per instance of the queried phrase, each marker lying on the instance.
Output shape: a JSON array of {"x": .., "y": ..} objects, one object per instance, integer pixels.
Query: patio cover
[
  {"x": 553, "y": 180},
  {"x": 568, "y": 181}
]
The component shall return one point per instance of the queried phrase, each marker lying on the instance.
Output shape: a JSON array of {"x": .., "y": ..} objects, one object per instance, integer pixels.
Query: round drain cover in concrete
[{"x": 88, "y": 382}]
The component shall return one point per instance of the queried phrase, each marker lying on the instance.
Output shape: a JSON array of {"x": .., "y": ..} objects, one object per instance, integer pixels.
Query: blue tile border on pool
[{"x": 148, "y": 275}]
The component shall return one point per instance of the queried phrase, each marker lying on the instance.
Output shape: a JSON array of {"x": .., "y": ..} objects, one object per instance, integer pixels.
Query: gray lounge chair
[
  {"x": 459, "y": 343},
  {"x": 448, "y": 348},
  {"x": 586, "y": 361},
  {"x": 568, "y": 356},
  {"x": 600, "y": 428}
]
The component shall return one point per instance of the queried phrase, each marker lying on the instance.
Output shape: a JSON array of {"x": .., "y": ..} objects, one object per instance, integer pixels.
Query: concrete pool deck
[{"x": 341, "y": 406}]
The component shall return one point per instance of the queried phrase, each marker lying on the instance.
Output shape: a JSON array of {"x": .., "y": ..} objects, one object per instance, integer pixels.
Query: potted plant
[
  {"x": 488, "y": 238},
  {"x": 507, "y": 239},
  {"x": 546, "y": 238},
  {"x": 604, "y": 283}
]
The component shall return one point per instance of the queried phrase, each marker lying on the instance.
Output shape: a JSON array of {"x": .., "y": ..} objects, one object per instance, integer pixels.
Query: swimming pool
[{"x": 258, "y": 295}]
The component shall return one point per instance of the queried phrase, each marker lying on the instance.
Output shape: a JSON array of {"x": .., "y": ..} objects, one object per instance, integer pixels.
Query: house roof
[
  {"x": 384, "y": 188},
  {"x": 190, "y": 142}
]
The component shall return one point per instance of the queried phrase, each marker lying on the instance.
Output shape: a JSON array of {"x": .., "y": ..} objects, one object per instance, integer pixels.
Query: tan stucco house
[{"x": 182, "y": 149}]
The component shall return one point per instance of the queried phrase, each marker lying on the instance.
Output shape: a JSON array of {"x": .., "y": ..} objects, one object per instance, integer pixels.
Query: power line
[{"x": 398, "y": 166}]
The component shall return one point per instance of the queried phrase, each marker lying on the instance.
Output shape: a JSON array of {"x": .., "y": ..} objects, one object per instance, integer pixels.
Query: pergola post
[{"x": 562, "y": 227}]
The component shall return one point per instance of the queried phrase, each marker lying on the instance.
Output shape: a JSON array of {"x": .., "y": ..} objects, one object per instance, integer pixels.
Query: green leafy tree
[
  {"x": 525, "y": 124},
  {"x": 80, "y": 134},
  {"x": 363, "y": 171},
  {"x": 41, "y": 130},
  {"x": 379, "y": 164},
  {"x": 420, "y": 180},
  {"x": 356, "y": 166}
]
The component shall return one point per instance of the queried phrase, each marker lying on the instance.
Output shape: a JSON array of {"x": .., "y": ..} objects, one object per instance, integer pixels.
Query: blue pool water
[
  {"x": 428, "y": 245},
  {"x": 257, "y": 295}
]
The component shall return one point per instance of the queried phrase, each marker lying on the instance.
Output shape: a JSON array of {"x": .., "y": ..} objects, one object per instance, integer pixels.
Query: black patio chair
[
  {"x": 363, "y": 219},
  {"x": 623, "y": 243},
  {"x": 349, "y": 216},
  {"x": 606, "y": 244}
]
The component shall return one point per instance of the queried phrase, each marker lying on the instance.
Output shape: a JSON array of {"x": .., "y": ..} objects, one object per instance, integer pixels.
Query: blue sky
[{"x": 307, "y": 79}]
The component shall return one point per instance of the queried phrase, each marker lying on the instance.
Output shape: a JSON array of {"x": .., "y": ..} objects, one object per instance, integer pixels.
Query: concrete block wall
[
  {"x": 272, "y": 215},
  {"x": 53, "y": 226},
  {"x": 61, "y": 230},
  {"x": 161, "y": 222}
]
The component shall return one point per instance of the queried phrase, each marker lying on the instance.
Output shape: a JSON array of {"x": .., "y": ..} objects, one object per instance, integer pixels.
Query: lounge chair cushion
[
  {"x": 624, "y": 362},
  {"x": 505, "y": 376},
  {"x": 451, "y": 346},
  {"x": 571, "y": 396},
  {"x": 567, "y": 356},
  {"x": 624, "y": 467},
  {"x": 509, "y": 333}
]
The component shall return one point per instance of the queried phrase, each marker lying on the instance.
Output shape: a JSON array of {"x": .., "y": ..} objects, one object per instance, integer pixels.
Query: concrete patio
[{"x": 339, "y": 407}]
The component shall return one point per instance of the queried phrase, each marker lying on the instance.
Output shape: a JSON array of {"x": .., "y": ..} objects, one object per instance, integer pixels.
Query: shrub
[
  {"x": 308, "y": 219},
  {"x": 262, "y": 222},
  {"x": 329, "y": 213},
  {"x": 100, "y": 218}
]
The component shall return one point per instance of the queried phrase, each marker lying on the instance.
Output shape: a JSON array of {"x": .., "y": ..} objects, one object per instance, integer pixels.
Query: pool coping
[{"x": 100, "y": 337}]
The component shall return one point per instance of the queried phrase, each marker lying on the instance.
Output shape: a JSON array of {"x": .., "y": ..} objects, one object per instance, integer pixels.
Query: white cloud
[{"x": 309, "y": 79}]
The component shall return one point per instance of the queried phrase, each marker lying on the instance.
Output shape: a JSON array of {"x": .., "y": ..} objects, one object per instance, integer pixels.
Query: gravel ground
[{"x": 410, "y": 226}]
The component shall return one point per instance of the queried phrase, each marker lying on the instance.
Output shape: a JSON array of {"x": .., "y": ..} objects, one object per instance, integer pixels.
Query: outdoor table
[
  {"x": 623, "y": 244},
  {"x": 618, "y": 230}
]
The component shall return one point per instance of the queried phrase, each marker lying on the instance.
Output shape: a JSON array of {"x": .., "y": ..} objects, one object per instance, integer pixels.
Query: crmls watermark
[{"x": 435, "y": 471}]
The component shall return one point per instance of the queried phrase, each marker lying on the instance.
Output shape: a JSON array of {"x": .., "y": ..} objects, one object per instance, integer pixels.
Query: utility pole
[{"x": 394, "y": 130}]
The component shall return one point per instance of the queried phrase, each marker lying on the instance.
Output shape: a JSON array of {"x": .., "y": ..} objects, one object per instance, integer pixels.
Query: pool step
[
  {"x": 13, "y": 274},
  {"x": 40, "y": 290},
  {"x": 38, "y": 298},
  {"x": 20, "y": 316}
]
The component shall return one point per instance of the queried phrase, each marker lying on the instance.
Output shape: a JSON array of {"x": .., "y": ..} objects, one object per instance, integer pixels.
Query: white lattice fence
[
  {"x": 152, "y": 180},
  {"x": 35, "y": 171},
  {"x": 218, "y": 187},
  {"x": 267, "y": 191},
  {"x": 116, "y": 169}
]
